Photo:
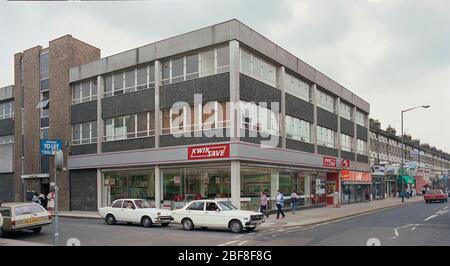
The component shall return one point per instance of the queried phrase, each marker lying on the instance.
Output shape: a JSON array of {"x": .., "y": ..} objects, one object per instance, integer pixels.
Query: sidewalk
[
  {"x": 4, "y": 242},
  {"x": 326, "y": 214}
]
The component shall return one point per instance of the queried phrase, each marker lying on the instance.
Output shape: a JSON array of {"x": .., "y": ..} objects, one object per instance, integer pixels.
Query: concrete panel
[
  {"x": 212, "y": 88},
  {"x": 170, "y": 140},
  {"x": 327, "y": 151},
  {"x": 185, "y": 42},
  {"x": 257, "y": 91},
  {"x": 147, "y": 53},
  {"x": 7, "y": 187},
  {"x": 258, "y": 42},
  {"x": 128, "y": 144},
  {"x": 83, "y": 190},
  {"x": 361, "y": 104},
  {"x": 287, "y": 59},
  {"x": 129, "y": 103},
  {"x": 347, "y": 127},
  {"x": 361, "y": 132},
  {"x": 346, "y": 95},
  {"x": 83, "y": 112},
  {"x": 83, "y": 149},
  {"x": 299, "y": 146},
  {"x": 299, "y": 108},
  {"x": 326, "y": 119},
  {"x": 7, "y": 127},
  {"x": 347, "y": 155},
  {"x": 122, "y": 60},
  {"x": 6, "y": 158}
]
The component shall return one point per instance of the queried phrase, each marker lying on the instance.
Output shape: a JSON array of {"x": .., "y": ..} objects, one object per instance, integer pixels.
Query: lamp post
[{"x": 403, "y": 146}]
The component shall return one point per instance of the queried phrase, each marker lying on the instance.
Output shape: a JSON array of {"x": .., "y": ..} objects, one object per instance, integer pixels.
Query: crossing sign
[{"x": 50, "y": 147}]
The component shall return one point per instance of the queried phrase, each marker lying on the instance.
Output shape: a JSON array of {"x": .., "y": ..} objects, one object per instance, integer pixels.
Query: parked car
[
  {"x": 435, "y": 195},
  {"x": 23, "y": 216},
  {"x": 137, "y": 211},
  {"x": 217, "y": 214}
]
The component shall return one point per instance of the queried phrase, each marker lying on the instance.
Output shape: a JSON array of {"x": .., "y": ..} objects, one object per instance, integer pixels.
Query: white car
[
  {"x": 217, "y": 214},
  {"x": 23, "y": 216},
  {"x": 137, "y": 211}
]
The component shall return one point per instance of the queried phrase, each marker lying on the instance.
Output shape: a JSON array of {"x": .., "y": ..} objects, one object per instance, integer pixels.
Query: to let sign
[
  {"x": 49, "y": 147},
  {"x": 329, "y": 161},
  {"x": 209, "y": 152}
]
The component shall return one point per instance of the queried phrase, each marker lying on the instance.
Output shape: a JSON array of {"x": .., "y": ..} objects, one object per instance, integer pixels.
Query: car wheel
[
  {"x": 146, "y": 221},
  {"x": 37, "y": 230},
  {"x": 250, "y": 228},
  {"x": 110, "y": 219},
  {"x": 187, "y": 224},
  {"x": 165, "y": 224},
  {"x": 235, "y": 226}
]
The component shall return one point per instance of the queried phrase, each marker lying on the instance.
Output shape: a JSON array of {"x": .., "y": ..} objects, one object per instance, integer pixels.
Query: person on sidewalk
[
  {"x": 51, "y": 201},
  {"x": 263, "y": 204},
  {"x": 280, "y": 204},
  {"x": 336, "y": 199},
  {"x": 294, "y": 201}
]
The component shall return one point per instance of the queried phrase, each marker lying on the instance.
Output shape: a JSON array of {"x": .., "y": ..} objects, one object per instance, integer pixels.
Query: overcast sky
[{"x": 394, "y": 54}]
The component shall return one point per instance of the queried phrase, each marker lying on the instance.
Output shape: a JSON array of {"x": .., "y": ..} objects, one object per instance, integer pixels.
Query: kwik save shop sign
[{"x": 209, "y": 152}]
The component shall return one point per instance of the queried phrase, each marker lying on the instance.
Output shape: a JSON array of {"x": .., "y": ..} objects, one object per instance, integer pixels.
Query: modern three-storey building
[
  {"x": 6, "y": 143},
  {"x": 292, "y": 131}
]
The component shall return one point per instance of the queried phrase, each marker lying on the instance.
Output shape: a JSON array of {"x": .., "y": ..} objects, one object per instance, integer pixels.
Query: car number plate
[{"x": 35, "y": 220}]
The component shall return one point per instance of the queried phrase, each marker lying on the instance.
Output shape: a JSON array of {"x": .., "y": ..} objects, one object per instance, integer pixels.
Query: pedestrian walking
[
  {"x": 36, "y": 198},
  {"x": 263, "y": 204},
  {"x": 51, "y": 200},
  {"x": 336, "y": 199},
  {"x": 294, "y": 201},
  {"x": 280, "y": 204},
  {"x": 43, "y": 200}
]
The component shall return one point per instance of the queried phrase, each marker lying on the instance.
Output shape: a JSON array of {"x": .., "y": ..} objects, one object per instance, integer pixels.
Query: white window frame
[{"x": 149, "y": 132}]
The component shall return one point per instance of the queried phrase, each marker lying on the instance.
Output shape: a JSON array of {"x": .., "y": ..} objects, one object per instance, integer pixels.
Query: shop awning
[{"x": 406, "y": 179}]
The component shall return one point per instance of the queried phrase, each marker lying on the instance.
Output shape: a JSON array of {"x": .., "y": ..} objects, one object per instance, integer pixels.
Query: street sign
[
  {"x": 49, "y": 147},
  {"x": 345, "y": 163}
]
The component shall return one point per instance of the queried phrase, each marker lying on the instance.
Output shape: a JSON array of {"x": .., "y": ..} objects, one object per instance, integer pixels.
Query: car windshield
[
  {"x": 141, "y": 204},
  {"x": 226, "y": 206}
]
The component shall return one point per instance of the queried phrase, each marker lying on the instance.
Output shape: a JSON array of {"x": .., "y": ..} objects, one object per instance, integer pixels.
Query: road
[{"x": 413, "y": 224}]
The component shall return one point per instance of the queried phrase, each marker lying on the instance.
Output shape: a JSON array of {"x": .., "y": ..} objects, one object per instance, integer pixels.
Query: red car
[{"x": 435, "y": 195}]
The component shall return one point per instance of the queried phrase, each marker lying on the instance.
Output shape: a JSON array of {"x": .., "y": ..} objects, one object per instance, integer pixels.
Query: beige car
[{"x": 24, "y": 216}]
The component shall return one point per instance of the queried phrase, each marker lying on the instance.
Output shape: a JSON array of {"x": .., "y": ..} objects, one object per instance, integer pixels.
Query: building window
[
  {"x": 326, "y": 137},
  {"x": 325, "y": 101},
  {"x": 84, "y": 91},
  {"x": 297, "y": 87},
  {"x": 44, "y": 133},
  {"x": 84, "y": 133},
  {"x": 361, "y": 118},
  {"x": 43, "y": 66},
  {"x": 130, "y": 80},
  {"x": 346, "y": 142},
  {"x": 345, "y": 111},
  {"x": 298, "y": 129},
  {"x": 257, "y": 67},
  {"x": 361, "y": 146},
  {"x": 6, "y": 110},
  {"x": 6, "y": 92},
  {"x": 129, "y": 126},
  {"x": 45, "y": 104},
  {"x": 258, "y": 118},
  {"x": 6, "y": 139}
]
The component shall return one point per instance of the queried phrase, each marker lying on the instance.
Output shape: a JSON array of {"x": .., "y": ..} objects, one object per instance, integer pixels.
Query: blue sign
[{"x": 49, "y": 147}]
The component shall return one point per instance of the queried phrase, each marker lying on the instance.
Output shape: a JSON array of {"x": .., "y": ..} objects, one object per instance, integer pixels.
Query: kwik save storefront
[{"x": 238, "y": 171}]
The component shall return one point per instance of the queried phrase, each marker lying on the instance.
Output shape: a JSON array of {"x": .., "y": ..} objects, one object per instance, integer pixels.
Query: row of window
[
  {"x": 131, "y": 80},
  {"x": 346, "y": 142},
  {"x": 297, "y": 87},
  {"x": 84, "y": 133},
  {"x": 84, "y": 91},
  {"x": 130, "y": 126},
  {"x": 325, "y": 101},
  {"x": 6, "y": 139},
  {"x": 298, "y": 129},
  {"x": 259, "y": 118},
  {"x": 257, "y": 67},
  {"x": 6, "y": 110},
  {"x": 200, "y": 64},
  {"x": 6, "y": 92}
]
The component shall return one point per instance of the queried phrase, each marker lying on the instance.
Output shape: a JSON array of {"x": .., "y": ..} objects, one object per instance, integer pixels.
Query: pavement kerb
[{"x": 343, "y": 217}]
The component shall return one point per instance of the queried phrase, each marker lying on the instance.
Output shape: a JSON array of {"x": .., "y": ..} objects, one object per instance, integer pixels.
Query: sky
[{"x": 395, "y": 54}]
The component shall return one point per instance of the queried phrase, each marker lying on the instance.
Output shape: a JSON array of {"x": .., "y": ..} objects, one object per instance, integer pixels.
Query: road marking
[
  {"x": 242, "y": 243},
  {"x": 274, "y": 235},
  {"x": 431, "y": 217},
  {"x": 402, "y": 227},
  {"x": 231, "y": 242},
  {"x": 414, "y": 228},
  {"x": 446, "y": 208},
  {"x": 90, "y": 226}
]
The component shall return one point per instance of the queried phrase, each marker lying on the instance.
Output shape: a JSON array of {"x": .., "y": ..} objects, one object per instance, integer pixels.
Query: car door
[
  {"x": 22, "y": 216},
  {"x": 195, "y": 212},
  {"x": 213, "y": 216},
  {"x": 115, "y": 209},
  {"x": 128, "y": 213}
]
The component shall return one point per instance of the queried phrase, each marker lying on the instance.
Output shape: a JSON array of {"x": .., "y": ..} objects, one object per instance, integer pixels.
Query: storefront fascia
[{"x": 355, "y": 186}]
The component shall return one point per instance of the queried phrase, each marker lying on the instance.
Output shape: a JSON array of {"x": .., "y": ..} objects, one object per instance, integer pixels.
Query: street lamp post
[{"x": 403, "y": 146}]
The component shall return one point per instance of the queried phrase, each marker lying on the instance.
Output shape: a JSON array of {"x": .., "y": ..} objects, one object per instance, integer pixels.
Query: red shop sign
[
  {"x": 345, "y": 163},
  {"x": 209, "y": 152},
  {"x": 329, "y": 161}
]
